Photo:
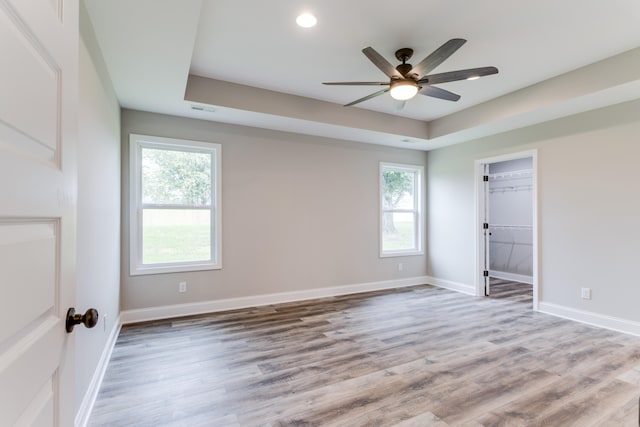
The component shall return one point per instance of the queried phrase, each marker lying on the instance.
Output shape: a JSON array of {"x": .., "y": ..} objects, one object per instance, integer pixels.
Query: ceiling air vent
[{"x": 203, "y": 108}]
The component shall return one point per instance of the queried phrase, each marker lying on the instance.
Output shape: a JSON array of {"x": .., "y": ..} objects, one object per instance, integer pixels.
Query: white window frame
[
  {"x": 136, "y": 143},
  {"x": 418, "y": 172}
]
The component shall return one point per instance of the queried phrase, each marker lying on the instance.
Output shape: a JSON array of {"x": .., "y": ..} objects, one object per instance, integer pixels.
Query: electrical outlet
[
  {"x": 400, "y": 266},
  {"x": 182, "y": 287},
  {"x": 586, "y": 293}
]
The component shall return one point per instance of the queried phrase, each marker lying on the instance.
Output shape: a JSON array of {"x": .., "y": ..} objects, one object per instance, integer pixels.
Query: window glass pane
[
  {"x": 398, "y": 189},
  {"x": 176, "y": 177},
  {"x": 175, "y": 235},
  {"x": 398, "y": 231}
]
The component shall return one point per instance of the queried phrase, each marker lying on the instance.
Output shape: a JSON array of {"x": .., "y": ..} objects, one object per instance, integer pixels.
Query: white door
[
  {"x": 487, "y": 231},
  {"x": 38, "y": 91}
]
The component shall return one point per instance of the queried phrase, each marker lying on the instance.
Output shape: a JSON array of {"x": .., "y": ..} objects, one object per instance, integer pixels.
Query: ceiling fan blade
[
  {"x": 437, "y": 57},
  {"x": 379, "y": 61},
  {"x": 437, "y": 92},
  {"x": 398, "y": 105},
  {"x": 453, "y": 76},
  {"x": 358, "y": 83},
  {"x": 373, "y": 95}
]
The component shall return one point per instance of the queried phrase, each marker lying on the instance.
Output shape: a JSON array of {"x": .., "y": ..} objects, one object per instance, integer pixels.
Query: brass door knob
[{"x": 88, "y": 319}]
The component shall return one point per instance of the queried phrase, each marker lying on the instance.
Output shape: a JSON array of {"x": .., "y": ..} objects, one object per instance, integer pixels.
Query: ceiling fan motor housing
[{"x": 404, "y": 69}]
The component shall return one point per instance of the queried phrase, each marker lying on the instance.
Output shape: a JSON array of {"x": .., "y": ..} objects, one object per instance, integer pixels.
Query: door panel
[
  {"x": 28, "y": 78},
  {"x": 38, "y": 83},
  {"x": 31, "y": 362},
  {"x": 31, "y": 290},
  {"x": 41, "y": 410}
]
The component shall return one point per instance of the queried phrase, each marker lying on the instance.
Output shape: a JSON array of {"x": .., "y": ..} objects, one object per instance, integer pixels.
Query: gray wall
[
  {"x": 299, "y": 213},
  {"x": 588, "y": 222},
  {"x": 98, "y": 238}
]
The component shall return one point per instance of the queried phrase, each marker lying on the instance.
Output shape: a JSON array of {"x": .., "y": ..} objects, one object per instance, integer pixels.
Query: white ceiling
[{"x": 547, "y": 51}]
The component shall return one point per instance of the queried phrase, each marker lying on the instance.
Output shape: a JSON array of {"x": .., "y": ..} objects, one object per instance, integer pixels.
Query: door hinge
[
  {"x": 485, "y": 178},
  {"x": 485, "y": 273},
  {"x": 485, "y": 225}
]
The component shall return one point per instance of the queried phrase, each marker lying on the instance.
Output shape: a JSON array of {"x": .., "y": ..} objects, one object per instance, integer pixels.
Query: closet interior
[{"x": 511, "y": 222}]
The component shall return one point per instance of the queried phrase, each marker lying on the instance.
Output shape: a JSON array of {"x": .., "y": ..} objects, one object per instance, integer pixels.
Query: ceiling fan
[{"x": 405, "y": 80}]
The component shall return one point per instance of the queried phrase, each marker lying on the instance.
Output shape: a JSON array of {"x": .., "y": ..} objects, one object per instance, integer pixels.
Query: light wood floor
[
  {"x": 513, "y": 291},
  {"x": 420, "y": 356}
]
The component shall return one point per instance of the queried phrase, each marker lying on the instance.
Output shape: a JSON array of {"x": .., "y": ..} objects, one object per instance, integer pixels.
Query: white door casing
[
  {"x": 38, "y": 108},
  {"x": 482, "y": 203},
  {"x": 487, "y": 232}
]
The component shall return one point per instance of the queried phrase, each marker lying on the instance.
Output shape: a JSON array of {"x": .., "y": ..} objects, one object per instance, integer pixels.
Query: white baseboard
[
  {"x": 511, "y": 276},
  {"x": 86, "y": 407},
  {"x": 453, "y": 286},
  {"x": 179, "y": 310},
  {"x": 590, "y": 318}
]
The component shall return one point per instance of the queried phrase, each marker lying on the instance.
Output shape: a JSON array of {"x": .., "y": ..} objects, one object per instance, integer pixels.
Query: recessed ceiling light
[{"x": 306, "y": 20}]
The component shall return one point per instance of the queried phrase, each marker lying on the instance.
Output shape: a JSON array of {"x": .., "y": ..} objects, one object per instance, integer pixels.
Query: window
[
  {"x": 400, "y": 209},
  {"x": 175, "y": 205}
]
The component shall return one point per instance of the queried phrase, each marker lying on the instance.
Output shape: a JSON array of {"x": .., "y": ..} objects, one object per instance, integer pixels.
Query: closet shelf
[
  {"x": 514, "y": 227},
  {"x": 524, "y": 173},
  {"x": 526, "y": 187}
]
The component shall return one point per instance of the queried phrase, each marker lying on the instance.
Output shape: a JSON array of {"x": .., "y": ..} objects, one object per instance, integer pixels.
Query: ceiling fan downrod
[{"x": 404, "y": 55}]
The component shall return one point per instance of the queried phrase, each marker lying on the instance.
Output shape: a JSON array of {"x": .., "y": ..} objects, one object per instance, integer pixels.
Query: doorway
[{"x": 507, "y": 249}]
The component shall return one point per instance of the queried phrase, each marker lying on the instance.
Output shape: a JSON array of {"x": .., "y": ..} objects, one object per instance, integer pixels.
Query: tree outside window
[
  {"x": 176, "y": 199},
  {"x": 400, "y": 228}
]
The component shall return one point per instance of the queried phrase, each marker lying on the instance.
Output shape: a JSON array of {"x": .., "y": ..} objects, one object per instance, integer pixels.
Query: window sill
[
  {"x": 164, "y": 269},
  {"x": 400, "y": 254}
]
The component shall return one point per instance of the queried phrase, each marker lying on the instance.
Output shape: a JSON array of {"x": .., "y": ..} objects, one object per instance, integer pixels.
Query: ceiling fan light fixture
[
  {"x": 403, "y": 89},
  {"x": 306, "y": 20},
  {"x": 406, "y": 80}
]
